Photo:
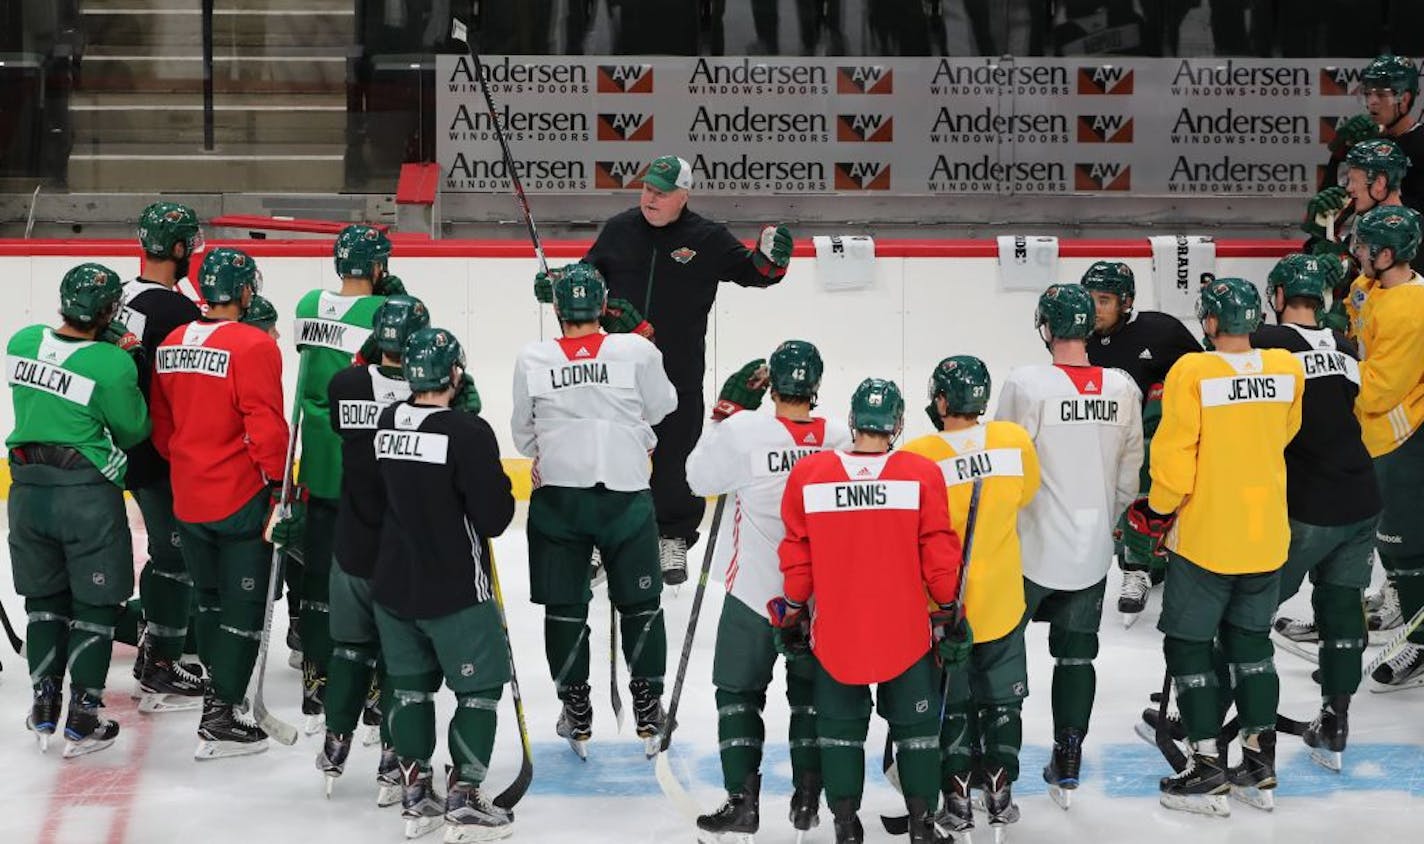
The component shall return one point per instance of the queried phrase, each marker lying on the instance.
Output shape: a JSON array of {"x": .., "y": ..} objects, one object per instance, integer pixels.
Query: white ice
[{"x": 147, "y": 788}]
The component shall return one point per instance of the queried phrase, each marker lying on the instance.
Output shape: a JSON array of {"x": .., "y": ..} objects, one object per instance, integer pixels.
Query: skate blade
[
  {"x": 84, "y": 747},
  {"x": 1001, "y": 833},
  {"x": 1330, "y": 760},
  {"x": 43, "y": 739},
  {"x": 1148, "y": 734},
  {"x": 1062, "y": 796},
  {"x": 330, "y": 783},
  {"x": 704, "y": 837},
  {"x": 579, "y": 747},
  {"x": 1129, "y": 619},
  {"x": 294, "y": 660},
  {"x": 227, "y": 749},
  {"x": 467, "y": 833},
  {"x": 314, "y": 724},
  {"x": 423, "y": 825},
  {"x": 153, "y": 703},
  {"x": 651, "y": 745},
  {"x": 1257, "y": 798},
  {"x": 137, "y": 692},
  {"x": 387, "y": 795},
  {"x": 1213, "y": 805},
  {"x": 1376, "y": 687},
  {"x": 370, "y": 735}
]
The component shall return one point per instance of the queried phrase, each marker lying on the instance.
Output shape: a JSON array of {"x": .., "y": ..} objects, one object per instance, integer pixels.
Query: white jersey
[
  {"x": 1086, "y": 424},
  {"x": 749, "y": 456},
  {"x": 585, "y": 409}
]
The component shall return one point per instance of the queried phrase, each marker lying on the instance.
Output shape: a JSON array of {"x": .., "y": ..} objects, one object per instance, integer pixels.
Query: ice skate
[
  {"x": 85, "y": 730},
  {"x": 957, "y": 813},
  {"x": 331, "y": 759},
  {"x": 806, "y": 804},
  {"x": 1146, "y": 729},
  {"x": 313, "y": 696},
  {"x": 847, "y": 823},
  {"x": 422, "y": 808},
  {"x": 999, "y": 801},
  {"x": 1296, "y": 629},
  {"x": 294, "y": 646},
  {"x": 1389, "y": 615},
  {"x": 371, "y": 715},
  {"x": 576, "y": 719},
  {"x": 1132, "y": 600},
  {"x": 388, "y": 778},
  {"x": 140, "y": 659},
  {"x": 469, "y": 814},
  {"x": 169, "y": 686},
  {"x": 44, "y": 711},
  {"x": 1061, "y": 773},
  {"x": 1327, "y": 734},
  {"x": 1405, "y": 671},
  {"x": 648, "y": 715},
  {"x": 923, "y": 829},
  {"x": 1201, "y": 787},
  {"x": 1253, "y": 782},
  {"x": 227, "y": 730},
  {"x": 672, "y": 557},
  {"x": 738, "y": 818}
]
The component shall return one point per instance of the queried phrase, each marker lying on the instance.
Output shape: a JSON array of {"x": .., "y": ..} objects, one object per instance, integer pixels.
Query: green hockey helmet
[
  {"x": 396, "y": 319},
  {"x": 260, "y": 313},
  {"x": 795, "y": 369},
  {"x": 359, "y": 250},
  {"x": 1393, "y": 227},
  {"x": 1235, "y": 302},
  {"x": 877, "y": 406},
  {"x": 1379, "y": 156},
  {"x": 428, "y": 357},
  {"x": 163, "y": 225},
  {"x": 963, "y": 380},
  {"x": 89, "y": 293},
  {"x": 580, "y": 293},
  {"x": 224, "y": 274},
  {"x": 1302, "y": 276},
  {"x": 1111, "y": 277},
  {"x": 1396, "y": 73},
  {"x": 1065, "y": 311}
]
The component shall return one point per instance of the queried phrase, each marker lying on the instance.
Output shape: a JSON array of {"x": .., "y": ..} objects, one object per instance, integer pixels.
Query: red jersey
[
  {"x": 217, "y": 416},
  {"x": 866, "y": 536}
]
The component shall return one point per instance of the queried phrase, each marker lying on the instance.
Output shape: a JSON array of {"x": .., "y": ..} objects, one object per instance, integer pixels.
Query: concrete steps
[
  {"x": 237, "y": 118},
  {"x": 227, "y": 169},
  {"x": 245, "y": 27}
]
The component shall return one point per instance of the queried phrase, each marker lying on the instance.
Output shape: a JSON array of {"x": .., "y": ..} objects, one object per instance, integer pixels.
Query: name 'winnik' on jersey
[
  {"x": 321, "y": 332},
  {"x": 199, "y": 360}
]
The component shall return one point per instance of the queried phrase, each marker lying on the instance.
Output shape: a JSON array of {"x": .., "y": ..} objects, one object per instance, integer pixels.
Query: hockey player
[
  {"x": 447, "y": 497},
  {"x": 749, "y": 455},
  {"x": 867, "y": 535},
  {"x": 217, "y": 418},
  {"x": 77, "y": 403},
  {"x": 584, "y": 407},
  {"x": 169, "y": 235},
  {"x": 1389, "y": 303},
  {"x": 357, "y": 396},
  {"x": 1219, "y": 500},
  {"x": 988, "y": 695},
  {"x": 1086, "y": 425},
  {"x": 1332, "y": 499},
  {"x": 262, "y": 314},
  {"x": 1144, "y": 344}
]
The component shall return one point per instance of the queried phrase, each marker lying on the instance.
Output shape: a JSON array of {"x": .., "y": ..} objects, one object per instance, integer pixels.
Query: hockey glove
[
  {"x": 369, "y": 353},
  {"x": 933, "y": 413},
  {"x": 743, "y": 391},
  {"x": 773, "y": 253},
  {"x": 1322, "y": 209},
  {"x": 467, "y": 398},
  {"x": 792, "y": 636},
  {"x": 1145, "y": 529},
  {"x": 620, "y": 317},
  {"x": 544, "y": 286},
  {"x": 954, "y": 639},
  {"x": 286, "y": 526},
  {"x": 1361, "y": 127},
  {"x": 120, "y": 335},
  {"x": 389, "y": 285}
]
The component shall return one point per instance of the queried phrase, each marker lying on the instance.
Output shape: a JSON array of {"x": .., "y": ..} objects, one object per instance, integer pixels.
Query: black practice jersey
[
  {"x": 151, "y": 311},
  {"x": 447, "y": 495},
  {"x": 1145, "y": 348},
  {"x": 357, "y": 396},
  {"x": 1330, "y": 479}
]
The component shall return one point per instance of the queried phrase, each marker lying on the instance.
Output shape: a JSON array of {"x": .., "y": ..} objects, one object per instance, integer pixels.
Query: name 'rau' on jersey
[
  {"x": 357, "y": 396},
  {"x": 749, "y": 456}
]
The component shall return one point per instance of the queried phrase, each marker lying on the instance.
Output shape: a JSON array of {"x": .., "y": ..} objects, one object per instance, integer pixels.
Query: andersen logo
[
  {"x": 1211, "y": 78},
  {"x": 986, "y": 175},
  {"x": 558, "y": 126},
  {"x": 1104, "y": 129},
  {"x": 509, "y": 76},
  {"x": 618, "y": 175},
  {"x": 625, "y": 127},
  {"x": 479, "y": 174},
  {"x": 745, "y": 173},
  {"x": 1114, "y": 176},
  {"x": 956, "y": 79},
  {"x": 1231, "y": 127},
  {"x": 625, "y": 79},
  {"x": 748, "y": 125},
  {"x": 862, "y": 176},
  {"x": 865, "y": 79},
  {"x": 865, "y": 128},
  {"x": 1226, "y": 175},
  {"x": 1105, "y": 80},
  {"x": 953, "y": 126},
  {"x": 746, "y": 77}
]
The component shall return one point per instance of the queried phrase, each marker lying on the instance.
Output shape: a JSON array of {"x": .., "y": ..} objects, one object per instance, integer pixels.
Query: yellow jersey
[
  {"x": 1003, "y": 455},
  {"x": 1389, "y": 325},
  {"x": 1218, "y": 459}
]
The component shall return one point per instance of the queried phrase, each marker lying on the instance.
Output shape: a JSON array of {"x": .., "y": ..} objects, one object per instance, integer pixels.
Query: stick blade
[
  {"x": 458, "y": 31},
  {"x": 280, "y": 731},
  {"x": 672, "y": 788}
]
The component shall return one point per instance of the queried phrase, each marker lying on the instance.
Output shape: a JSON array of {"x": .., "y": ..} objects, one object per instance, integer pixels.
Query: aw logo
[
  {"x": 1105, "y": 80},
  {"x": 1340, "y": 81},
  {"x": 862, "y": 176},
  {"x": 1102, "y": 177},
  {"x": 625, "y": 79},
  {"x": 619, "y": 175},
  {"x": 1329, "y": 126},
  {"x": 867, "y": 79},
  {"x": 625, "y": 127},
  {"x": 1104, "y": 129},
  {"x": 865, "y": 128}
]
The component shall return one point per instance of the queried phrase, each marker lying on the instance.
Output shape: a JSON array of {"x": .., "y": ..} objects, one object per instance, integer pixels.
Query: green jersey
[
  {"x": 78, "y": 393},
  {"x": 330, "y": 329}
]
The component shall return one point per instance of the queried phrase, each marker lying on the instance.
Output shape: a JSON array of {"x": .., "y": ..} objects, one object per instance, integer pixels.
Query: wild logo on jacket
[{"x": 683, "y": 254}]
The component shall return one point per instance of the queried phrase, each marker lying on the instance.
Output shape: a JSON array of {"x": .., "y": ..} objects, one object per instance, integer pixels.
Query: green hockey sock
[
  {"x": 1341, "y": 618},
  {"x": 566, "y": 643},
  {"x": 1002, "y": 728},
  {"x": 91, "y": 644},
  {"x": 47, "y": 635},
  {"x": 842, "y": 743},
  {"x": 740, "y": 733},
  {"x": 1197, "y": 689},
  {"x": 130, "y": 619},
  {"x": 234, "y": 649},
  {"x": 801, "y": 732},
  {"x": 167, "y": 592},
  {"x": 956, "y": 741},
  {"x": 917, "y": 757},
  {"x": 1255, "y": 686},
  {"x": 644, "y": 642},
  {"x": 472, "y": 731},
  {"x": 412, "y": 715},
  {"x": 206, "y": 623},
  {"x": 348, "y": 680},
  {"x": 1075, "y": 681}
]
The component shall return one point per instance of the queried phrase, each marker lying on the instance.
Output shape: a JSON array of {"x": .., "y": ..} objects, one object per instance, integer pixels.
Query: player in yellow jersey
[
  {"x": 982, "y": 716},
  {"x": 1388, "y": 303},
  {"x": 1219, "y": 500}
]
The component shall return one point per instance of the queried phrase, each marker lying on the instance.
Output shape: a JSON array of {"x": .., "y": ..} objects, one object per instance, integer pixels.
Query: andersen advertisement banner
[{"x": 1144, "y": 127}]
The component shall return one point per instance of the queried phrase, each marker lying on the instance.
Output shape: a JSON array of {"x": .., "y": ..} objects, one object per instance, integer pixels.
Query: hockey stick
[
  {"x": 667, "y": 780},
  {"x": 1396, "y": 645},
  {"x": 900, "y": 824},
  {"x": 459, "y": 33},
  {"x": 614, "y": 696},
  {"x": 510, "y": 796},
  {"x": 15, "y": 641}
]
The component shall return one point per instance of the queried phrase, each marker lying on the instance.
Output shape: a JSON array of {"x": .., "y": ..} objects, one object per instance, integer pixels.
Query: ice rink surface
[{"x": 147, "y": 789}]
